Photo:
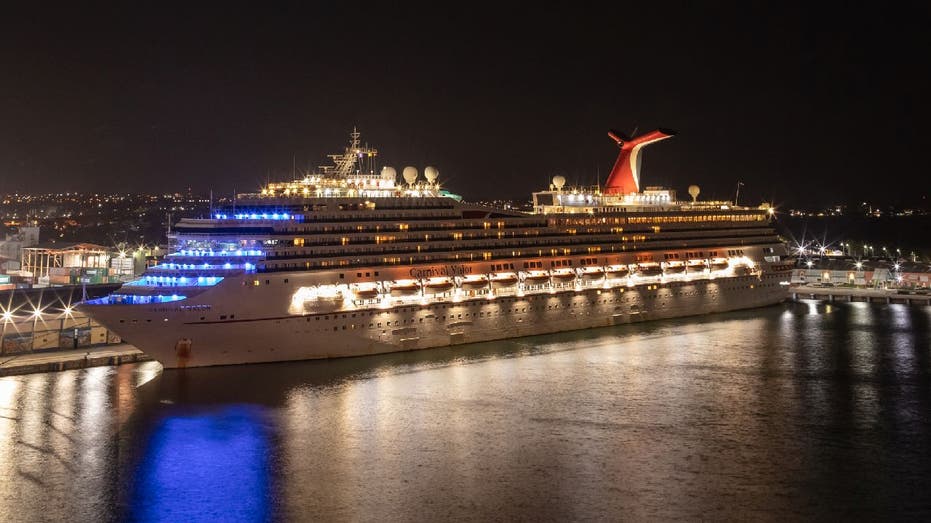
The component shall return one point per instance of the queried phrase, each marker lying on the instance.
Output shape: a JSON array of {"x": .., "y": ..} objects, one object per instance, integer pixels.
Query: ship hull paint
[{"x": 178, "y": 343}]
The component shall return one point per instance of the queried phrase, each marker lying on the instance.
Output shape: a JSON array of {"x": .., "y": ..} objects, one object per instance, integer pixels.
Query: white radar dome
[
  {"x": 410, "y": 175},
  {"x": 431, "y": 174},
  {"x": 694, "y": 190},
  {"x": 559, "y": 182},
  {"x": 388, "y": 173}
]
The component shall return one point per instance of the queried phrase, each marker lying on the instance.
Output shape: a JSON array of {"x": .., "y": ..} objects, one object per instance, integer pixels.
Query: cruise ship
[{"x": 348, "y": 260}]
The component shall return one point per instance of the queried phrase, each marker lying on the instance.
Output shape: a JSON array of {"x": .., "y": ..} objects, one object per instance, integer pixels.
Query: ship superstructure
[{"x": 347, "y": 262}]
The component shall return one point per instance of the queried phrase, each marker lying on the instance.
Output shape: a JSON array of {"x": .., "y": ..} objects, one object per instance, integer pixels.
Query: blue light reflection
[{"x": 205, "y": 467}]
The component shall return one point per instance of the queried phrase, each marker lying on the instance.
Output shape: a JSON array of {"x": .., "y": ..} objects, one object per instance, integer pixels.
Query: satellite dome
[
  {"x": 431, "y": 174},
  {"x": 694, "y": 190},
  {"x": 410, "y": 175},
  {"x": 388, "y": 173},
  {"x": 558, "y": 182}
]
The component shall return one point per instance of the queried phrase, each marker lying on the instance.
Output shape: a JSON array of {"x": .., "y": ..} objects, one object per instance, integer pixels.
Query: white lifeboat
[
  {"x": 405, "y": 287},
  {"x": 438, "y": 285},
  {"x": 675, "y": 267},
  {"x": 593, "y": 273},
  {"x": 536, "y": 278},
  {"x": 649, "y": 269},
  {"x": 564, "y": 275},
  {"x": 719, "y": 264},
  {"x": 618, "y": 271},
  {"x": 474, "y": 282},
  {"x": 506, "y": 279},
  {"x": 367, "y": 292},
  {"x": 696, "y": 266}
]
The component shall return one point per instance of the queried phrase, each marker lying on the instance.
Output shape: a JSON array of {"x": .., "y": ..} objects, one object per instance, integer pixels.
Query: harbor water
[{"x": 801, "y": 410}]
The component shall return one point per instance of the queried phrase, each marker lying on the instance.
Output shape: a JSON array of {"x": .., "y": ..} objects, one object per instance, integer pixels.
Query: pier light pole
[
  {"x": 6, "y": 319},
  {"x": 35, "y": 319}
]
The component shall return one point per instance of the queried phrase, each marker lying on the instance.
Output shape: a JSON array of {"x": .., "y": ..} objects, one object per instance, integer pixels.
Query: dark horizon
[{"x": 805, "y": 106}]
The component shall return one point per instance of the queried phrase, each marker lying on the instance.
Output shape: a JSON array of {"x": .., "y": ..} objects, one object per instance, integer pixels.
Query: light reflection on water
[{"x": 803, "y": 410}]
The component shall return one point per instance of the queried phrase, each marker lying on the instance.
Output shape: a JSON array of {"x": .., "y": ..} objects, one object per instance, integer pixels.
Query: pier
[
  {"x": 53, "y": 361},
  {"x": 851, "y": 294},
  {"x": 39, "y": 332}
]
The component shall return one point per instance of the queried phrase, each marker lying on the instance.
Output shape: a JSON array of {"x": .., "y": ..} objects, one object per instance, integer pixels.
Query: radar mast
[{"x": 345, "y": 164}]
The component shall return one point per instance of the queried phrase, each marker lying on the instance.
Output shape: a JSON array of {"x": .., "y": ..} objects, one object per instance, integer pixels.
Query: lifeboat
[
  {"x": 366, "y": 293},
  {"x": 474, "y": 283},
  {"x": 403, "y": 288},
  {"x": 504, "y": 280},
  {"x": 742, "y": 270},
  {"x": 536, "y": 278},
  {"x": 618, "y": 271},
  {"x": 696, "y": 266},
  {"x": 719, "y": 264},
  {"x": 440, "y": 285},
  {"x": 564, "y": 276},
  {"x": 593, "y": 274},
  {"x": 675, "y": 268},
  {"x": 649, "y": 269}
]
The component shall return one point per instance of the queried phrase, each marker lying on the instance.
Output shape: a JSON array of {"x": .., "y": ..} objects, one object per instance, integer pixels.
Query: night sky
[{"x": 804, "y": 105}]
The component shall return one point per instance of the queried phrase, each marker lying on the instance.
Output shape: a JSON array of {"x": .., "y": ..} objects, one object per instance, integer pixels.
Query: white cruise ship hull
[{"x": 180, "y": 337}]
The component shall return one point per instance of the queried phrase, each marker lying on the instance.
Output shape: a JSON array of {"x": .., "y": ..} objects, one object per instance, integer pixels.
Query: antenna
[{"x": 736, "y": 196}]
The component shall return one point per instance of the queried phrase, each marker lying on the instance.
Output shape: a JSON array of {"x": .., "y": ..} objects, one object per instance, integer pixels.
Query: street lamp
[
  {"x": 36, "y": 314},
  {"x": 7, "y": 318}
]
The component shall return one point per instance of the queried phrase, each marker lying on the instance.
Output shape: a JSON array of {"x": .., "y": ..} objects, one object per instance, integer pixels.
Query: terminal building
[
  {"x": 12, "y": 245},
  {"x": 67, "y": 264},
  {"x": 862, "y": 273}
]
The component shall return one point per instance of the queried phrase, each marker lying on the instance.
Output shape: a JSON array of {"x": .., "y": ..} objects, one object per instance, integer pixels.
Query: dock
[
  {"x": 852, "y": 294},
  {"x": 59, "y": 360}
]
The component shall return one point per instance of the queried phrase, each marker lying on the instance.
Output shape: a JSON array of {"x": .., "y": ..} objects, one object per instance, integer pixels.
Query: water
[{"x": 805, "y": 410}]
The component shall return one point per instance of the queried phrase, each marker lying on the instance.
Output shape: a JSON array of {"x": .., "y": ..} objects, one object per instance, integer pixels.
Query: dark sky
[{"x": 804, "y": 105}]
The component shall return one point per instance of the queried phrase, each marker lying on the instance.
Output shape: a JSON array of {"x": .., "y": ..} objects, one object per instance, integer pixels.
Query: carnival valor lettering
[{"x": 446, "y": 270}]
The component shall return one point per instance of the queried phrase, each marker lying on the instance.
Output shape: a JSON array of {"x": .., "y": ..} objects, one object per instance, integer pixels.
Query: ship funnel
[{"x": 625, "y": 175}]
